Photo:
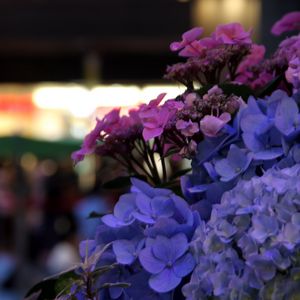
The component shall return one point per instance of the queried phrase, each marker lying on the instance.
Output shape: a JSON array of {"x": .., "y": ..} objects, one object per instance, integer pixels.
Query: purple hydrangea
[
  {"x": 251, "y": 240},
  {"x": 168, "y": 261}
]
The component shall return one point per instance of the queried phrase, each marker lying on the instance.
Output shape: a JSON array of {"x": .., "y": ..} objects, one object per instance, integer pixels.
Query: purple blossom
[
  {"x": 127, "y": 251},
  {"x": 188, "y": 128},
  {"x": 237, "y": 162},
  {"x": 123, "y": 212},
  {"x": 287, "y": 118},
  {"x": 292, "y": 74},
  {"x": 149, "y": 209},
  {"x": 232, "y": 33},
  {"x": 211, "y": 125},
  {"x": 89, "y": 143},
  {"x": 251, "y": 240},
  {"x": 166, "y": 259},
  {"x": 288, "y": 22},
  {"x": 187, "y": 38}
]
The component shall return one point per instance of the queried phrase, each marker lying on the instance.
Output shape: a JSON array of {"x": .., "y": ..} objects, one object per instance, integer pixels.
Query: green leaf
[
  {"x": 50, "y": 287},
  {"x": 116, "y": 284},
  {"x": 104, "y": 269}
]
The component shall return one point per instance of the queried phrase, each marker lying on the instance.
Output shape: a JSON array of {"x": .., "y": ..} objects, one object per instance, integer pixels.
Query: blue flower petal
[
  {"x": 184, "y": 265},
  {"x": 124, "y": 207},
  {"x": 150, "y": 263},
  {"x": 124, "y": 251},
  {"x": 164, "y": 281}
]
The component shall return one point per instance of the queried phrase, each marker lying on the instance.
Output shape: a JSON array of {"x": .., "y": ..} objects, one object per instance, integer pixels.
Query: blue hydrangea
[
  {"x": 265, "y": 133},
  {"x": 149, "y": 234},
  {"x": 251, "y": 241}
]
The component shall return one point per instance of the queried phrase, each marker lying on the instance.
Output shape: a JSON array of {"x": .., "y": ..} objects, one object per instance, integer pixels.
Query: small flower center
[
  {"x": 238, "y": 170},
  {"x": 169, "y": 264}
]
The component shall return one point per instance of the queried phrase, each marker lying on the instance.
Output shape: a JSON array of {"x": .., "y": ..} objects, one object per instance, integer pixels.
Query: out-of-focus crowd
[{"x": 43, "y": 215}]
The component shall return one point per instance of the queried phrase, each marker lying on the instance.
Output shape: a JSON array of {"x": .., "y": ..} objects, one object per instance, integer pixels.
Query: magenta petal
[
  {"x": 175, "y": 46},
  {"x": 288, "y": 22},
  {"x": 77, "y": 156},
  {"x": 192, "y": 34},
  {"x": 151, "y": 133},
  {"x": 149, "y": 262},
  {"x": 164, "y": 281}
]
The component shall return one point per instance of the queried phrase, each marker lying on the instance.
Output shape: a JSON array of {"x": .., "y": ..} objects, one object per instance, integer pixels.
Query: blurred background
[{"x": 62, "y": 63}]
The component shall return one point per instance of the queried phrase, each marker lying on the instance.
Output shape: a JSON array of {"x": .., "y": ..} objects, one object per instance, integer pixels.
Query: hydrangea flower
[
  {"x": 251, "y": 240},
  {"x": 288, "y": 22},
  {"x": 166, "y": 259},
  {"x": 237, "y": 162},
  {"x": 232, "y": 33},
  {"x": 187, "y": 38},
  {"x": 292, "y": 74},
  {"x": 211, "y": 125}
]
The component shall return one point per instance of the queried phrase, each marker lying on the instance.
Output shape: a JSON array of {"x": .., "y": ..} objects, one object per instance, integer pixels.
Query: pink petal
[{"x": 288, "y": 22}]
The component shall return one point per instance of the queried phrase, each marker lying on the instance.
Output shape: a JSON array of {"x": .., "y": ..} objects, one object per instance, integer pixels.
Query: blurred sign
[{"x": 16, "y": 103}]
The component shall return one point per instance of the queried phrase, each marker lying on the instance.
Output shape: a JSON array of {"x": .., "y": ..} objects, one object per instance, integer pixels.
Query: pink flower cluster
[
  {"x": 288, "y": 22},
  {"x": 155, "y": 117},
  {"x": 228, "y": 34},
  {"x": 109, "y": 134},
  {"x": 292, "y": 74},
  {"x": 183, "y": 122},
  {"x": 210, "y": 56},
  {"x": 226, "y": 56}
]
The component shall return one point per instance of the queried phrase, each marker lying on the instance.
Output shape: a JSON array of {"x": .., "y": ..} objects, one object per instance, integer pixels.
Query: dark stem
[{"x": 162, "y": 159}]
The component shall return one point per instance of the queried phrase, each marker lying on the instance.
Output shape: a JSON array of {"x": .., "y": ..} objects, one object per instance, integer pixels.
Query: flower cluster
[
  {"x": 149, "y": 230},
  {"x": 236, "y": 234},
  {"x": 183, "y": 123},
  {"x": 250, "y": 246},
  {"x": 265, "y": 133},
  {"x": 209, "y": 57}
]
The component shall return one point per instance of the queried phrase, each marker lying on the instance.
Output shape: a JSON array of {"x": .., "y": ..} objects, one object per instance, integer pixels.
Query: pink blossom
[
  {"x": 198, "y": 48},
  {"x": 211, "y": 125},
  {"x": 256, "y": 56},
  {"x": 232, "y": 33},
  {"x": 154, "y": 118},
  {"x": 288, "y": 22},
  {"x": 215, "y": 90},
  {"x": 111, "y": 119},
  {"x": 187, "y": 128},
  {"x": 174, "y": 105},
  {"x": 292, "y": 74},
  {"x": 192, "y": 50},
  {"x": 209, "y": 42},
  {"x": 190, "y": 99},
  {"x": 187, "y": 38},
  {"x": 89, "y": 143},
  {"x": 263, "y": 78},
  {"x": 188, "y": 150}
]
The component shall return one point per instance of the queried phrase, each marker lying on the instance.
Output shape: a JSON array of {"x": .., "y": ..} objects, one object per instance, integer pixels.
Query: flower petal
[
  {"x": 184, "y": 265},
  {"x": 165, "y": 281},
  {"x": 124, "y": 251},
  {"x": 150, "y": 263}
]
